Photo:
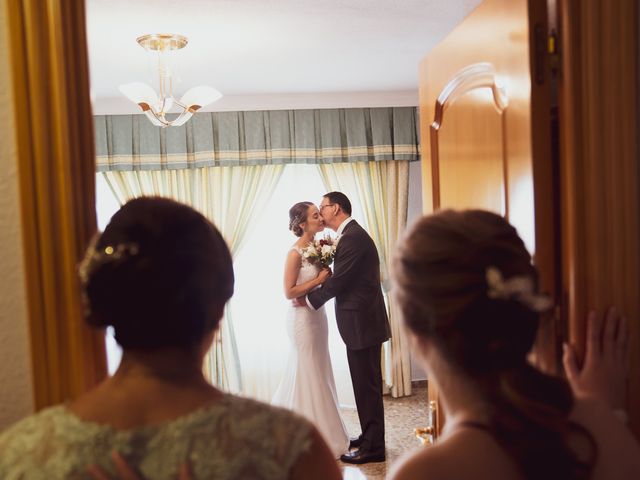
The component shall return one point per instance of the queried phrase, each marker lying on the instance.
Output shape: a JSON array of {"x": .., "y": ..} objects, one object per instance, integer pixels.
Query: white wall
[{"x": 16, "y": 395}]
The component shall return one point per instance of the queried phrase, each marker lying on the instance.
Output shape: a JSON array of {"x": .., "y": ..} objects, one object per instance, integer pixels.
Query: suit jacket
[{"x": 360, "y": 309}]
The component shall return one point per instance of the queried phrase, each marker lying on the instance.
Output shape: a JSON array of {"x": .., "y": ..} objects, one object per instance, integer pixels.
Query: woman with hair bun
[
  {"x": 468, "y": 294},
  {"x": 308, "y": 386},
  {"x": 161, "y": 274}
]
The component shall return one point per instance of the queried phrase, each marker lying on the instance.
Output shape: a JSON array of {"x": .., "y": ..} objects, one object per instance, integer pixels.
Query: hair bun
[
  {"x": 160, "y": 274},
  {"x": 298, "y": 215}
]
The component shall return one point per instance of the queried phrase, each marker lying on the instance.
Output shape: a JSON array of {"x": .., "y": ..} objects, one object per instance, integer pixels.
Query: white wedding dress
[{"x": 308, "y": 387}]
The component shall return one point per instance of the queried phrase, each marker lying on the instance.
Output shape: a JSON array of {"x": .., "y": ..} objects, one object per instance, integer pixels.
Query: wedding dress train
[{"x": 308, "y": 387}]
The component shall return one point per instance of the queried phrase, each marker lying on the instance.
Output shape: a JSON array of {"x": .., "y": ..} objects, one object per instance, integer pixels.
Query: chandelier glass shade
[{"x": 156, "y": 105}]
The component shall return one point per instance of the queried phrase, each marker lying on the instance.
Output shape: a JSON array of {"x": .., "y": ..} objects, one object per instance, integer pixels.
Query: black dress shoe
[
  {"x": 359, "y": 457},
  {"x": 355, "y": 442}
]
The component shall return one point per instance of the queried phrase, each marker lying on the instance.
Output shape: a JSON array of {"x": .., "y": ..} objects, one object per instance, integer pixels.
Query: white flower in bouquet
[
  {"x": 321, "y": 252},
  {"x": 327, "y": 250}
]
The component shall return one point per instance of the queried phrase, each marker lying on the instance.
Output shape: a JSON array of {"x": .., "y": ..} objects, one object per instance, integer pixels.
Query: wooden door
[{"x": 485, "y": 129}]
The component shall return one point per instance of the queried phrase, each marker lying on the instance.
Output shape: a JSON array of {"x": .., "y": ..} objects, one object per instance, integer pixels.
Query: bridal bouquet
[{"x": 321, "y": 252}]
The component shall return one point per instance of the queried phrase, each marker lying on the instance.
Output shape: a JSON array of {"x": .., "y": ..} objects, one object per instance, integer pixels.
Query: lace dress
[
  {"x": 308, "y": 386},
  {"x": 235, "y": 438}
]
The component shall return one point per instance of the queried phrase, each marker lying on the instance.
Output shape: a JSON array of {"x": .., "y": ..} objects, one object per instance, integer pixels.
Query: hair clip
[
  {"x": 110, "y": 253},
  {"x": 520, "y": 288}
]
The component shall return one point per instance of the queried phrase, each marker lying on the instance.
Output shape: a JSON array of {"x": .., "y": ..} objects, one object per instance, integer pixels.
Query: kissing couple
[{"x": 308, "y": 386}]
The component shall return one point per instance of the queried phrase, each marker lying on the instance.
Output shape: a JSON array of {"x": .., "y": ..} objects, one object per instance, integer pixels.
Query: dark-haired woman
[
  {"x": 468, "y": 293},
  {"x": 160, "y": 274},
  {"x": 308, "y": 386}
]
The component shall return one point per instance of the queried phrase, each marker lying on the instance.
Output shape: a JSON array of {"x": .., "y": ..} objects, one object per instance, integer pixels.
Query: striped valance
[{"x": 131, "y": 142}]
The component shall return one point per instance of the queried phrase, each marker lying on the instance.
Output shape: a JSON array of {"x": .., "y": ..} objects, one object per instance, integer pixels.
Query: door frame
[{"x": 599, "y": 172}]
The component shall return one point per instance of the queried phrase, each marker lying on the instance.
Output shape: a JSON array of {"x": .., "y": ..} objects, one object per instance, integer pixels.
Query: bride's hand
[
  {"x": 324, "y": 274},
  {"x": 299, "y": 302}
]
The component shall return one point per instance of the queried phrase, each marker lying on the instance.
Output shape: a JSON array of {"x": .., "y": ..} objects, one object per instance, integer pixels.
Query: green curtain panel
[{"x": 221, "y": 139}]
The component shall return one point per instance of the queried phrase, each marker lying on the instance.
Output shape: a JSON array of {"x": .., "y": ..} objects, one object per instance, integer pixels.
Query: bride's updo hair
[
  {"x": 160, "y": 274},
  {"x": 465, "y": 281},
  {"x": 297, "y": 215}
]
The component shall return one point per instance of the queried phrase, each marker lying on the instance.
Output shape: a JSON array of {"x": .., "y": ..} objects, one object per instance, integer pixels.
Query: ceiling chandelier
[{"x": 156, "y": 106}]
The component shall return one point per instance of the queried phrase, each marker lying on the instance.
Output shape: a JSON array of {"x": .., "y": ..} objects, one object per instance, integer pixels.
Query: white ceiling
[{"x": 272, "y": 53}]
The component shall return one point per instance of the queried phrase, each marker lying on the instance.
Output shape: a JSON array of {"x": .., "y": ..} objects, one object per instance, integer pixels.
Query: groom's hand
[{"x": 299, "y": 302}]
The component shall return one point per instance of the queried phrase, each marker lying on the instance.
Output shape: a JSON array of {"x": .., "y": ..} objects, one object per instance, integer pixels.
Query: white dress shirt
[{"x": 342, "y": 225}]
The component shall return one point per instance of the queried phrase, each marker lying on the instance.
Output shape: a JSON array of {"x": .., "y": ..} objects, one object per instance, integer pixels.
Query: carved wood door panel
[
  {"x": 485, "y": 129},
  {"x": 468, "y": 159}
]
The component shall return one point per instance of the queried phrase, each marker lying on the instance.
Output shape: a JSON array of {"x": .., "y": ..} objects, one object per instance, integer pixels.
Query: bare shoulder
[
  {"x": 618, "y": 451},
  {"x": 483, "y": 458},
  {"x": 294, "y": 256},
  {"x": 317, "y": 462},
  {"x": 415, "y": 464},
  {"x": 598, "y": 417},
  {"x": 585, "y": 406}
]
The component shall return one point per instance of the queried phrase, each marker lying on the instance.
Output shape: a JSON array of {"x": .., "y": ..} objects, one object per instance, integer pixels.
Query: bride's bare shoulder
[
  {"x": 294, "y": 256},
  {"x": 295, "y": 250}
]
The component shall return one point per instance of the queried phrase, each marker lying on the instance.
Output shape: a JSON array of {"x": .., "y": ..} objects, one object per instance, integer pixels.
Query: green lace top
[{"x": 235, "y": 438}]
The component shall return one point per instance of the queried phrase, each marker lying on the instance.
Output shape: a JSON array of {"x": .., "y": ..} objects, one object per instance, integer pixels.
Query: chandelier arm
[
  {"x": 182, "y": 118},
  {"x": 164, "y": 102},
  {"x": 160, "y": 121},
  {"x": 188, "y": 108}
]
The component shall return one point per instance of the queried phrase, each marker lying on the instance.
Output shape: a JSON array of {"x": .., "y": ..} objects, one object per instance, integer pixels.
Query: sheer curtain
[
  {"x": 231, "y": 197},
  {"x": 382, "y": 190}
]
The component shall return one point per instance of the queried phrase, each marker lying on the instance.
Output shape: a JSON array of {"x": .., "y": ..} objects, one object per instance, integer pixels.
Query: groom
[{"x": 362, "y": 321}]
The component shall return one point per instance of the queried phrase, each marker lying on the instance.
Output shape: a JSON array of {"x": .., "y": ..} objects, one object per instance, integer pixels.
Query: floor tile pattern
[{"x": 402, "y": 415}]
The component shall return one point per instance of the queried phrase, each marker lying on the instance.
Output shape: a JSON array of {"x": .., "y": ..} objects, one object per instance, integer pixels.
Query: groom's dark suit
[{"x": 363, "y": 324}]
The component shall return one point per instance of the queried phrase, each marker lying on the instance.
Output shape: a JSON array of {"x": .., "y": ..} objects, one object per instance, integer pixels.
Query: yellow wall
[{"x": 16, "y": 395}]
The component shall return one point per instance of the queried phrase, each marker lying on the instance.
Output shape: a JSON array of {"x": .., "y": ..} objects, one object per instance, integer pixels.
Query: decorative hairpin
[
  {"x": 520, "y": 288},
  {"x": 110, "y": 253}
]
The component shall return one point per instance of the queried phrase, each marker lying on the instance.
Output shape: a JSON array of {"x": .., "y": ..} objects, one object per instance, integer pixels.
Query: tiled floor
[{"x": 402, "y": 415}]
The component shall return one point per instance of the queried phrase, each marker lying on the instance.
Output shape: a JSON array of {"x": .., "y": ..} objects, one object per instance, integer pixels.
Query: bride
[{"x": 308, "y": 387}]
